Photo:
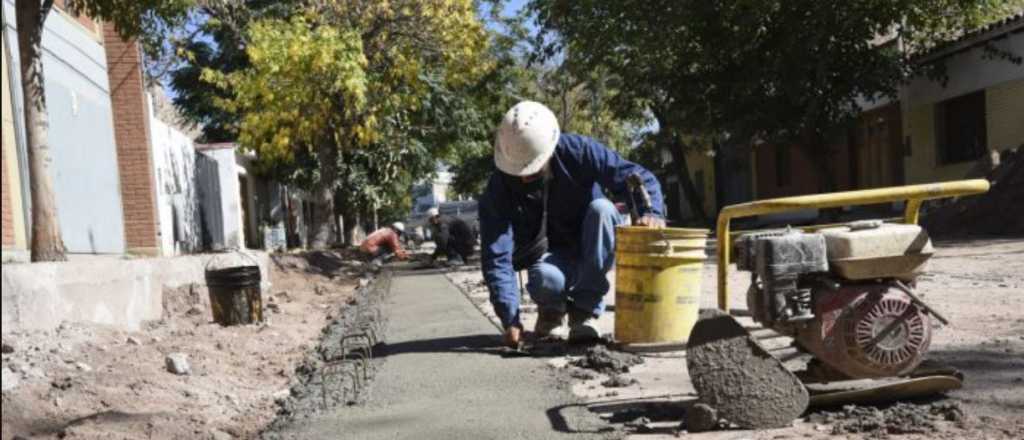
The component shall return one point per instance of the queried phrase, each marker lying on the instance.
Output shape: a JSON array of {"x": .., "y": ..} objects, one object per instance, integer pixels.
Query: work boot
[
  {"x": 549, "y": 324},
  {"x": 513, "y": 337},
  {"x": 583, "y": 326}
]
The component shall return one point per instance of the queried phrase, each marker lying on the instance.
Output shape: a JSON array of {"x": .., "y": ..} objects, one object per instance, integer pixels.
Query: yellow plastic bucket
[{"x": 657, "y": 284}]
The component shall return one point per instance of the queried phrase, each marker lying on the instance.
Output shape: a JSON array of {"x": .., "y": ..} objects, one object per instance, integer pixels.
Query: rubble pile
[
  {"x": 599, "y": 358},
  {"x": 998, "y": 212},
  {"x": 901, "y": 418}
]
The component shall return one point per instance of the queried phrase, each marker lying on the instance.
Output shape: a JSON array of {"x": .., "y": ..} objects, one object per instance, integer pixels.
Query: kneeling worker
[
  {"x": 383, "y": 242},
  {"x": 453, "y": 237},
  {"x": 544, "y": 211}
]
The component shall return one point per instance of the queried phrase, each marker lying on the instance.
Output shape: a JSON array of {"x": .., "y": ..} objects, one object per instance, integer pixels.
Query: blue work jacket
[{"x": 581, "y": 170}]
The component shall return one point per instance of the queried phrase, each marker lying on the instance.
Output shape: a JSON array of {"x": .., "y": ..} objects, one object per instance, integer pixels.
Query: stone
[
  {"x": 701, "y": 417},
  {"x": 363, "y": 282},
  {"x": 133, "y": 341},
  {"x": 82, "y": 366},
  {"x": 220, "y": 435},
  {"x": 618, "y": 381},
  {"x": 177, "y": 363},
  {"x": 35, "y": 373},
  {"x": 9, "y": 380}
]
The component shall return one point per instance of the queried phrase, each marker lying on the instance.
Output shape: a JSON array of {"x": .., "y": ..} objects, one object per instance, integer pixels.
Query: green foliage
[
  {"x": 305, "y": 85},
  {"x": 580, "y": 99},
  {"x": 358, "y": 97},
  {"x": 778, "y": 69},
  {"x": 134, "y": 17}
]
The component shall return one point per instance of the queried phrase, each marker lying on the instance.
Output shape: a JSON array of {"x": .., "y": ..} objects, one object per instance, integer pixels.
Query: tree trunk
[
  {"x": 322, "y": 224},
  {"x": 821, "y": 156},
  {"x": 682, "y": 169},
  {"x": 47, "y": 244}
]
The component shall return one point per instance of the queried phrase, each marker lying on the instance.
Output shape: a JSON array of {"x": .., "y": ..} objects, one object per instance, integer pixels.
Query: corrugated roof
[{"x": 977, "y": 36}]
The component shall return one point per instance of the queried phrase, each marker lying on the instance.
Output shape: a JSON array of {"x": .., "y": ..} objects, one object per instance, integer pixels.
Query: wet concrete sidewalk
[{"x": 444, "y": 377}]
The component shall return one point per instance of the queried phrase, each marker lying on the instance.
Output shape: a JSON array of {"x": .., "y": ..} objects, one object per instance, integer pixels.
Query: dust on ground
[
  {"x": 976, "y": 284},
  {"x": 91, "y": 381},
  {"x": 900, "y": 418}
]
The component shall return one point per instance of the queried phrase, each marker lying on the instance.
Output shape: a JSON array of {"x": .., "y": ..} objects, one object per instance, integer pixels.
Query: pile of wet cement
[
  {"x": 599, "y": 358},
  {"x": 900, "y": 418}
]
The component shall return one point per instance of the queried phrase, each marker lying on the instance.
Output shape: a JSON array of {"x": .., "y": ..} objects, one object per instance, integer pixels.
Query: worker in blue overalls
[{"x": 544, "y": 210}]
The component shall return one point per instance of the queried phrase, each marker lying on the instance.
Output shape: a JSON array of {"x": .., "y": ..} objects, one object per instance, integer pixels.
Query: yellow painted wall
[
  {"x": 1004, "y": 109},
  {"x": 10, "y": 158},
  {"x": 1004, "y": 113}
]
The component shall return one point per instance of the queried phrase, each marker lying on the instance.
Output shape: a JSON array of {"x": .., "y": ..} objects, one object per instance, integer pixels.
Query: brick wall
[{"x": 131, "y": 132}]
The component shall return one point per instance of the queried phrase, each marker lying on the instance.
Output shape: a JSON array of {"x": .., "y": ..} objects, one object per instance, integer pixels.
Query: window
[
  {"x": 960, "y": 128},
  {"x": 782, "y": 166}
]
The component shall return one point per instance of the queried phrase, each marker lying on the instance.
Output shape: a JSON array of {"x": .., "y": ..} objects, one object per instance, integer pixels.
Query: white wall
[
  {"x": 970, "y": 71},
  {"x": 228, "y": 191},
  {"x": 130, "y": 292},
  {"x": 174, "y": 162}
]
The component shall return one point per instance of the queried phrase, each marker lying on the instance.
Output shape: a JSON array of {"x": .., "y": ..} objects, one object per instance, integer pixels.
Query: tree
[
  {"x": 580, "y": 100},
  {"x": 130, "y": 18},
  {"x": 779, "y": 70},
  {"x": 343, "y": 85}
]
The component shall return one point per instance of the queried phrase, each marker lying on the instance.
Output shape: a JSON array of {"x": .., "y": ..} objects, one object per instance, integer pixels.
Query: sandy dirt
[
  {"x": 90, "y": 381},
  {"x": 977, "y": 284}
]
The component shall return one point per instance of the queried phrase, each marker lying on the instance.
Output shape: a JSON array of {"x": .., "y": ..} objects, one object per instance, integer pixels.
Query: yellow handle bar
[{"x": 913, "y": 194}]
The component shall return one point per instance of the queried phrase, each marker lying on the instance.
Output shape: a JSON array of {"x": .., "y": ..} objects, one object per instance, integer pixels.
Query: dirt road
[{"x": 92, "y": 382}]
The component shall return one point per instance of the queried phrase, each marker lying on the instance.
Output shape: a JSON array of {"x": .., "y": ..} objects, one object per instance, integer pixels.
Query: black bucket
[{"x": 235, "y": 294}]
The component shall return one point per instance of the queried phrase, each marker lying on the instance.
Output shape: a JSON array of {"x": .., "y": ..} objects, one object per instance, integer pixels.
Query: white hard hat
[
  {"x": 398, "y": 226},
  {"x": 433, "y": 212},
  {"x": 526, "y": 139}
]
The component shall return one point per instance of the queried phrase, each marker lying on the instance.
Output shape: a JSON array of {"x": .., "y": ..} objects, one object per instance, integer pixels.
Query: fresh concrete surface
[
  {"x": 109, "y": 290},
  {"x": 445, "y": 378}
]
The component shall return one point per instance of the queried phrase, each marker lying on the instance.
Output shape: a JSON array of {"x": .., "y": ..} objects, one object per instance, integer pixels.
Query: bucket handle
[{"x": 206, "y": 267}]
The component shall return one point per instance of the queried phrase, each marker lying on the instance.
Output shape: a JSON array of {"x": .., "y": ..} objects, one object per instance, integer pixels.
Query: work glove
[{"x": 651, "y": 221}]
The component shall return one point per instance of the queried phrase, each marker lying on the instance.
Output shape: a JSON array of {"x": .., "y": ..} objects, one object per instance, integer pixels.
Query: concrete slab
[
  {"x": 114, "y": 291},
  {"x": 444, "y": 377},
  {"x": 662, "y": 380}
]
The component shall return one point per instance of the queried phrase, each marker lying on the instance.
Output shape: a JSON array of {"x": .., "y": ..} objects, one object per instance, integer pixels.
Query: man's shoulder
[{"x": 576, "y": 145}]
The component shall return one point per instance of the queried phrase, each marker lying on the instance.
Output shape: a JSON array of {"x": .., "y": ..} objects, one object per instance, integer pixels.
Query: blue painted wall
[{"x": 81, "y": 133}]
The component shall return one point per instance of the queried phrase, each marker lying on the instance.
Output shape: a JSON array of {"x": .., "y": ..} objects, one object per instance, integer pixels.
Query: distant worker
[
  {"x": 453, "y": 236},
  {"x": 384, "y": 242},
  {"x": 544, "y": 211}
]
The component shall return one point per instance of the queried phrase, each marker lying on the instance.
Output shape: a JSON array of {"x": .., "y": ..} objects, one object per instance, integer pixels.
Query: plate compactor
[{"x": 844, "y": 293}]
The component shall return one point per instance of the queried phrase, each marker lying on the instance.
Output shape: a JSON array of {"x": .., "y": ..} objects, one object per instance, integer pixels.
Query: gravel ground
[{"x": 90, "y": 381}]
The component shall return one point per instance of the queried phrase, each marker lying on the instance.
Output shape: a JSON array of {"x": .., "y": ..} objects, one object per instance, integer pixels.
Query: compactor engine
[{"x": 844, "y": 294}]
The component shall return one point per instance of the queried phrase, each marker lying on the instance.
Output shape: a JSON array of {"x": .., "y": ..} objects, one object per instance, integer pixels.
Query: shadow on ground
[{"x": 649, "y": 415}]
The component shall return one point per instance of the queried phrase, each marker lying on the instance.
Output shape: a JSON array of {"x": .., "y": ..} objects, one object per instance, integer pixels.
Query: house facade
[
  {"x": 948, "y": 127},
  {"x": 934, "y": 131},
  {"x": 103, "y": 175}
]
